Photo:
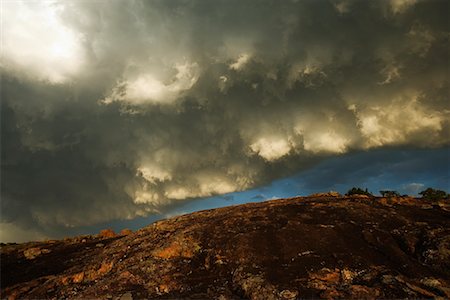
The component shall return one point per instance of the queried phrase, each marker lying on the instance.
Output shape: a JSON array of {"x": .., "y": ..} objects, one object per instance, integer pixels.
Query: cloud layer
[{"x": 122, "y": 109}]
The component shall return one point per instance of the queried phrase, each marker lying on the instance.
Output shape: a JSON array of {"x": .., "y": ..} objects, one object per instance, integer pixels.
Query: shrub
[
  {"x": 358, "y": 191},
  {"x": 432, "y": 194},
  {"x": 389, "y": 194}
]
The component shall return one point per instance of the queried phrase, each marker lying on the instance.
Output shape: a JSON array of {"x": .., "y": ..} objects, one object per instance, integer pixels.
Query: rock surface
[{"x": 305, "y": 247}]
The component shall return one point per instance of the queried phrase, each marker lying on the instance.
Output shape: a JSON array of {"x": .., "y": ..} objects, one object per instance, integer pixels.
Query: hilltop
[{"x": 324, "y": 246}]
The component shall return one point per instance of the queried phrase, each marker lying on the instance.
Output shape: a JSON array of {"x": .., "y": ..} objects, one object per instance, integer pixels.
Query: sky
[{"x": 118, "y": 113}]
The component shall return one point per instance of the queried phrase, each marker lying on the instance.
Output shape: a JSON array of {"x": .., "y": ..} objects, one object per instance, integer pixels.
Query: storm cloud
[{"x": 119, "y": 109}]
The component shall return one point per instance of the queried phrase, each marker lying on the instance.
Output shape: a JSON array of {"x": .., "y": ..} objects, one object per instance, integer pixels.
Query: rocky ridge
[{"x": 323, "y": 246}]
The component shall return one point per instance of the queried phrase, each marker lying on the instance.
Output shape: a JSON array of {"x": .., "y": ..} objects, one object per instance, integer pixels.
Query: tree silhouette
[
  {"x": 432, "y": 194},
  {"x": 358, "y": 191}
]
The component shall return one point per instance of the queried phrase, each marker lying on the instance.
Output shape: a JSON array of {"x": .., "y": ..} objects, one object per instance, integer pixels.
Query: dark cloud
[{"x": 123, "y": 109}]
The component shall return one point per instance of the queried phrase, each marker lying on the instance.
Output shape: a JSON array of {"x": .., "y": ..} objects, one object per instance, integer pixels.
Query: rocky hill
[{"x": 324, "y": 246}]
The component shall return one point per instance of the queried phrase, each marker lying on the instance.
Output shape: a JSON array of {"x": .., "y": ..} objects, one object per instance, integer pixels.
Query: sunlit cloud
[
  {"x": 271, "y": 148},
  {"x": 146, "y": 88},
  {"x": 399, "y": 121},
  {"x": 36, "y": 41},
  {"x": 240, "y": 62},
  {"x": 326, "y": 142},
  {"x": 400, "y": 6}
]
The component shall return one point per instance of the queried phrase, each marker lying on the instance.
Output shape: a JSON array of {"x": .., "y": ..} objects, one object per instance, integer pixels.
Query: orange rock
[
  {"x": 181, "y": 247},
  {"x": 347, "y": 275},
  {"x": 32, "y": 253},
  {"x": 173, "y": 250},
  {"x": 385, "y": 201},
  {"x": 325, "y": 274},
  {"x": 107, "y": 233},
  {"x": 126, "y": 231},
  {"x": 125, "y": 275},
  {"x": 130, "y": 278},
  {"x": 91, "y": 275},
  {"x": 77, "y": 278},
  {"x": 94, "y": 274},
  {"x": 105, "y": 268},
  {"x": 325, "y": 280},
  {"x": 65, "y": 280},
  {"x": 163, "y": 288}
]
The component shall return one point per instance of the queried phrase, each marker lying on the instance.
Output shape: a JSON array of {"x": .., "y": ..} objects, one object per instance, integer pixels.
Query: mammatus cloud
[{"x": 117, "y": 110}]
